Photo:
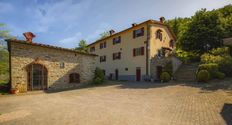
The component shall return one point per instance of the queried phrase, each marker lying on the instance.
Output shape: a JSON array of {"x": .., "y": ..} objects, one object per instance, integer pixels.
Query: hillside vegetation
[{"x": 4, "y": 65}]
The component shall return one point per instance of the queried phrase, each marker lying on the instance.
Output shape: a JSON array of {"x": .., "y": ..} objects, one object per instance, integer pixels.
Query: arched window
[
  {"x": 171, "y": 43},
  {"x": 74, "y": 78},
  {"x": 159, "y": 34}
]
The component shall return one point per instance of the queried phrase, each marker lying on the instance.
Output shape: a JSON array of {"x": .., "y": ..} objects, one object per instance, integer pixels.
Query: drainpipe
[{"x": 147, "y": 49}]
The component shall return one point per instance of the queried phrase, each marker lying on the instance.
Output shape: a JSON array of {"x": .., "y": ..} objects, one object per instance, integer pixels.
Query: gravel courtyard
[{"x": 122, "y": 104}]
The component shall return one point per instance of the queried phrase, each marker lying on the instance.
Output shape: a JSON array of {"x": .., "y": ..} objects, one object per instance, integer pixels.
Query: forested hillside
[
  {"x": 4, "y": 67},
  {"x": 203, "y": 31}
]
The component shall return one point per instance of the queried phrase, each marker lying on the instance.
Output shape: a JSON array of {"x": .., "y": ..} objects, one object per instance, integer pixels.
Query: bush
[
  {"x": 221, "y": 57},
  {"x": 220, "y": 51},
  {"x": 97, "y": 80},
  {"x": 165, "y": 77},
  {"x": 187, "y": 56},
  {"x": 99, "y": 76},
  {"x": 203, "y": 76},
  {"x": 211, "y": 67},
  {"x": 219, "y": 75},
  {"x": 168, "y": 68}
]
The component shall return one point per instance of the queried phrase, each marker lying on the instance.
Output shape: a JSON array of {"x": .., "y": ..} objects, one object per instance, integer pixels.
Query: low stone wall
[{"x": 176, "y": 63}]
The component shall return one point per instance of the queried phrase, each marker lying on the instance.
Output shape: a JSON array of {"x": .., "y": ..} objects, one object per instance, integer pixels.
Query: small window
[
  {"x": 126, "y": 69},
  {"x": 102, "y": 58},
  {"x": 138, "y": 32},
  {"x": 92, "y": 49},
  {"x": 74, "y": 78},
  {"x": 117, "y": 56},
  {"x": 138, "y": 51},
  {"x": 116, "y": 40},
  {"x": 159, "y": 35},
  {"x": 102, "y": 45},
  {"x": 62, "y": 65}
]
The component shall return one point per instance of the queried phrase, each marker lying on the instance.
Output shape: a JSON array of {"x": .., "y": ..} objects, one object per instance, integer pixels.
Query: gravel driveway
[{"x": 121, "y": 104}]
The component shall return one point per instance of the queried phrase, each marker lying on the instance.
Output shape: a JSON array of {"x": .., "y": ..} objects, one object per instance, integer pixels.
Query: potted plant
[{"x": 14, "y": 91}]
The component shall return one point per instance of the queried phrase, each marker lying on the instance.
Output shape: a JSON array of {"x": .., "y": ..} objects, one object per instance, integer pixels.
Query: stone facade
[
  {"x": 155, "y": 62},
  {"x": 23, "y": 54}
]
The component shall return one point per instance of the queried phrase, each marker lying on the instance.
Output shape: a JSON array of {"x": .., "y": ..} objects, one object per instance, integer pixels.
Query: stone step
[{"x": 187, "y": 72}]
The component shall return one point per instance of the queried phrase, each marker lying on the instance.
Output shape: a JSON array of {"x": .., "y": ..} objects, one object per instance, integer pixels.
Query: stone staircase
[{"x": 187, "y": 72}]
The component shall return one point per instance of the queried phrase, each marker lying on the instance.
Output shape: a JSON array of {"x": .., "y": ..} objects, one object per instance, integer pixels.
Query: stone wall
[
  {"x": 24, "y": 54},
  {"x": 155, "y": 61}
]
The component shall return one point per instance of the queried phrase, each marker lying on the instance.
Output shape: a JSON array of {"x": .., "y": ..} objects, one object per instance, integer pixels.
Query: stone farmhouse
[
  {"x": 138, "y": 53},
  {"x": 35, "y": 66}
]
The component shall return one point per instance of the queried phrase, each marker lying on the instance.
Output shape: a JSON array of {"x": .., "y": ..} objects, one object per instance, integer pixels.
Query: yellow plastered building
[{"x": 127, "y": 55}]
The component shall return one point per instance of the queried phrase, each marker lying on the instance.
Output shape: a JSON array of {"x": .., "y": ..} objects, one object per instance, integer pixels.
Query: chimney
[
  {"x": 29, "y": 36},
  {"x": 112, "y": 32},
  {"x": 162, "y": 19},
  {"x": 134, "y": 24}
]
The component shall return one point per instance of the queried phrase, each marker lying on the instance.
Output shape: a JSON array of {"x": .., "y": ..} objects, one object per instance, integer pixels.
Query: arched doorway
[{"x": 37, "y": 77}]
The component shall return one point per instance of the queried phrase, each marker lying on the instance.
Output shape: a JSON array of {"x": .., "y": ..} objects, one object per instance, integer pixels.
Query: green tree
[
  {"x": 82, "y": 46},
  {"x": 203, "y": 32}
]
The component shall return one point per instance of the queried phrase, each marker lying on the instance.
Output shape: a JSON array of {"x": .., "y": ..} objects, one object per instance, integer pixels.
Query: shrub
[
  {"x": 211, "y": 67},
  {"x": 168, "y": 68},
  {"x": 203, "y": 76},
  {"x": 187, "y": 56},
  {"x": 219, "y": 75},
  {"x": 97, "y": 80},
  {"x": 165, "y": 77},
  {"x": 220, "y": 51},
  {"x": 223, "y": 60},
  {"x": 99, "y": 76}
]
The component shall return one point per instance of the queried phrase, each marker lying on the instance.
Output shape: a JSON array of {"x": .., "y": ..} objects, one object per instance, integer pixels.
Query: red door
[
  {"x": 116, "y": 74},
  {"x": 138, "y": 74}
]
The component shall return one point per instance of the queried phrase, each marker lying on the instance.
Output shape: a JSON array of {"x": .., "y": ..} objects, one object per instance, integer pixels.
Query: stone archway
[{"x": 37, "y": 75}]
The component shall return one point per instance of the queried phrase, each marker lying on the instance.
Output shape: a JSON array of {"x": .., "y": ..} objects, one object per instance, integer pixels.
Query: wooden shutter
[
  {"x": 142, "y": 31},
  {"x": 133, "y": 52},
  {"x": 142, "y": 50}
]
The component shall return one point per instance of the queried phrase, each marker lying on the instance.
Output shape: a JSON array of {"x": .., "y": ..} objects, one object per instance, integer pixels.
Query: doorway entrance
[
  {"x": 37, "y": 77},
  {"x": 116, "y": 74},
  {"x": 158, "y": 72},
  {"x": 138, "y": 74}
]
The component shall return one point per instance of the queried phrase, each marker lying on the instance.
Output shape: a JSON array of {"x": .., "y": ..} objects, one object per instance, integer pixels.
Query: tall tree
[
  {"x": 203, "y": 32},
  {"x": 82, "y": 46}
]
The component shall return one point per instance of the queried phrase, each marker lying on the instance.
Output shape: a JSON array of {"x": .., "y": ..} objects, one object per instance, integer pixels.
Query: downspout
[{"x": 147, "y": 49}]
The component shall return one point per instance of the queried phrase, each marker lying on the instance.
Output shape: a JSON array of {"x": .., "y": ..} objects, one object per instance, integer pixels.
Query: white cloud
[
  {"x": 62, "y": 13},
  {"x": 70, "y": 42}
]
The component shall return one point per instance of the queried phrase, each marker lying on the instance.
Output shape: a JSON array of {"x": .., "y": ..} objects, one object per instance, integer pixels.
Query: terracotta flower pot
[{"x": 14, "y": 91}]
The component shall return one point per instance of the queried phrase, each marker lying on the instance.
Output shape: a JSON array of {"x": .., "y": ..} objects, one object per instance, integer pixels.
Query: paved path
[{"x": 121, "y": 104}]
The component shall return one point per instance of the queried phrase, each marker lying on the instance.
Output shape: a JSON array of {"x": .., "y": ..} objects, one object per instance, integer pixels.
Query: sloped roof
[
  {"x": 148, "y": 21},
  {"x": 47, "y": 46}
]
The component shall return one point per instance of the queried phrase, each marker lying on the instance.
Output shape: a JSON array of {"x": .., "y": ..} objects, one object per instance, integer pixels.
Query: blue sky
[{"x": 65, "y": 22}]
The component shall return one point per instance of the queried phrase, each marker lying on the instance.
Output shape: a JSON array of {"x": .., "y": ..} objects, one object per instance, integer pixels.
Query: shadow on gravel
[
  {"x": 226, "y": 113},
  {"x": 214, "y": 85}
]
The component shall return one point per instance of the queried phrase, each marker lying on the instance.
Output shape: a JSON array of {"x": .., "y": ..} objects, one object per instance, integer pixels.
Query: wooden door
[
  {"x": 158, "y": 72},
  {"x": 116, "y": 74}
]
